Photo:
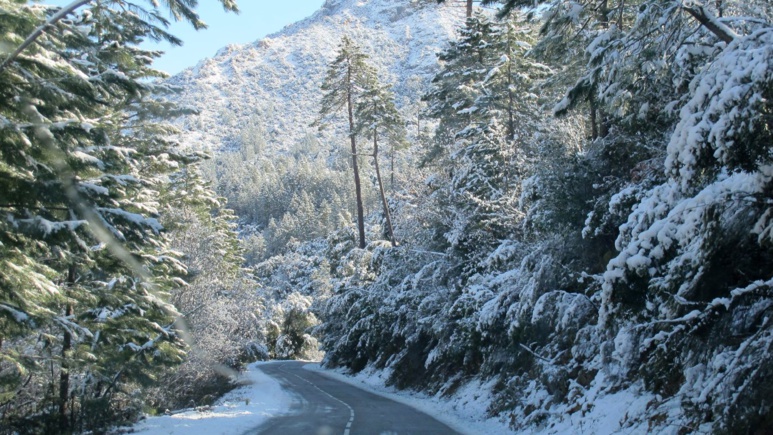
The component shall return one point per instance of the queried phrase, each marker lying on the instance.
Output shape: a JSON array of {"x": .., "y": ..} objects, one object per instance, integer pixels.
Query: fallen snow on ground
[
  {"x": 262, "y": 398},
  {"x": 242, "y": 409},
  {"x": 465, "y": 412}
]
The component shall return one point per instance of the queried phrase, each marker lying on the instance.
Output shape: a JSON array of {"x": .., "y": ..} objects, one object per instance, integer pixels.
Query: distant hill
[{"x": 274, "y": 82}]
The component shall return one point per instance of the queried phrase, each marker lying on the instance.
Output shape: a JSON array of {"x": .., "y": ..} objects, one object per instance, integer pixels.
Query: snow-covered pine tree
[
  {"x": 480, "y": 209},
  {"x": 510, "y": 89},
  {"x": 87, "y": 271},
  {"x": 693, "y": 272},
  {"x": 217, "y": 306},
  {"x": 684, "y": 88},
  {"x": 456, "y": 88},
  {"x": 485, "y": 101}
]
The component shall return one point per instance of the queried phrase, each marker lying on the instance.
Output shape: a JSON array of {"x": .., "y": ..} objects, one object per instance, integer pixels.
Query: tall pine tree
[
  {"x": 348, "y": 76},
  {"x": 377, "y": 117}
]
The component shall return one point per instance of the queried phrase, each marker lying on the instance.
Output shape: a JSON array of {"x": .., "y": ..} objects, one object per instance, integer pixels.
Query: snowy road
[{"x": 323, "y": 405}]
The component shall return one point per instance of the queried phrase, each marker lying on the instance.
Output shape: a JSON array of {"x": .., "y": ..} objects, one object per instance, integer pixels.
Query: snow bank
[
  {"x": 240, "y": 410},
  {"x": 465, "y": 411}
]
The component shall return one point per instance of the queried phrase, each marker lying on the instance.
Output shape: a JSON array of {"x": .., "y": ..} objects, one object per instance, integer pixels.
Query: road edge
[{"x": 439, "y": 409}]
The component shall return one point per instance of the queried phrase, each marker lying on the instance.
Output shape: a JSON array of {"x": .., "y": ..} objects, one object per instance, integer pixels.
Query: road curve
[{"x": 325, "y": 406}]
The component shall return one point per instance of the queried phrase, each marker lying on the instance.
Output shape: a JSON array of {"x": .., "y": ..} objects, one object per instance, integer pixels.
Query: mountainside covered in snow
[{"x": 275, "y": 82}]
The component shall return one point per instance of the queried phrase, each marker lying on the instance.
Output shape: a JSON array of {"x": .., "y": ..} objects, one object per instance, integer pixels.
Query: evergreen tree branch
[
  {"x": 42, "y": 28},
  {"x": 708, "y": 20},
  {"x": 35, "y": 207}
]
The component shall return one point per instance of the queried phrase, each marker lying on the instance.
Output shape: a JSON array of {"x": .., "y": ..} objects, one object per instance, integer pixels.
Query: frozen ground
[{"x": 238, "y": 411}]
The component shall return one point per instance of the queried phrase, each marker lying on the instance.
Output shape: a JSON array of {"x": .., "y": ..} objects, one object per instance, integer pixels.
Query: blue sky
[{"x": 257, "y": 19}]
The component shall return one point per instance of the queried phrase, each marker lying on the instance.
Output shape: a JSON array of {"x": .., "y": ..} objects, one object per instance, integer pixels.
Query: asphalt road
[{"x": 325, "y": 406}]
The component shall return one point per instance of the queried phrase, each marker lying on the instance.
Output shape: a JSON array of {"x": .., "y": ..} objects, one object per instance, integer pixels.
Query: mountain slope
[{"x": 275, "y": 81}]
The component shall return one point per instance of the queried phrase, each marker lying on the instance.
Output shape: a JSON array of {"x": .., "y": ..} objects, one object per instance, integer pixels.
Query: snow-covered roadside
[
  {"x": 465, "y": 412},
  {"x": 244, "y": 408}
]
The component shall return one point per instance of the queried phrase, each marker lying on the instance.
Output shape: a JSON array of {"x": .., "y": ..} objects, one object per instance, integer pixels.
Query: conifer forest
[{"x": 556, "y": 204}]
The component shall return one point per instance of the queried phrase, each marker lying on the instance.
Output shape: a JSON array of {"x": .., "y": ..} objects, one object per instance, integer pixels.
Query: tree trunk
[
  {"x": 707, "y": 19},
  {"x": 64, "y": 371},
  {"x": 388, "y": 218},
  {"x": 469, "y": 8},
  {"x": 510, "y": 99},
  {"x": 355, "y": 166},
  {"x": 604, "y": 123},
  {"x": 604, "y": 12},
  {"x": 510, "y": 142},
  {"x": 391, "y": 171},
  {"x": 593, "y": 119}
]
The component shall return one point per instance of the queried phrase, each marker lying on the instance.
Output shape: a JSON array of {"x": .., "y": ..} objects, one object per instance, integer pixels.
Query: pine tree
[
  {"x": 479, "y": 205},
  {"x": 510, "y": 88},
  {"x": 348, "y": 76},
  {"x": 456, "y": 88},
  {"x": 376, "y": 117},
  {"x": 85, "y": 263},
  {"x": 216, "y": 306},
  {"x": 679, "y": 174}
]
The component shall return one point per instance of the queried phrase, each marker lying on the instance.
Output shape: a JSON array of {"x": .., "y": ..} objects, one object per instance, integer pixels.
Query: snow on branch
[
  {"x": 711, "y": 22},
  {"x": 725, "y": 105},
  {"x": 18, "y": 316},
  {"x": 39, "y": 31}
]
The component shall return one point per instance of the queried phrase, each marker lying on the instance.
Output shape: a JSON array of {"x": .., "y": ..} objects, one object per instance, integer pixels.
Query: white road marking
[{"x": 351, "y": 410}]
